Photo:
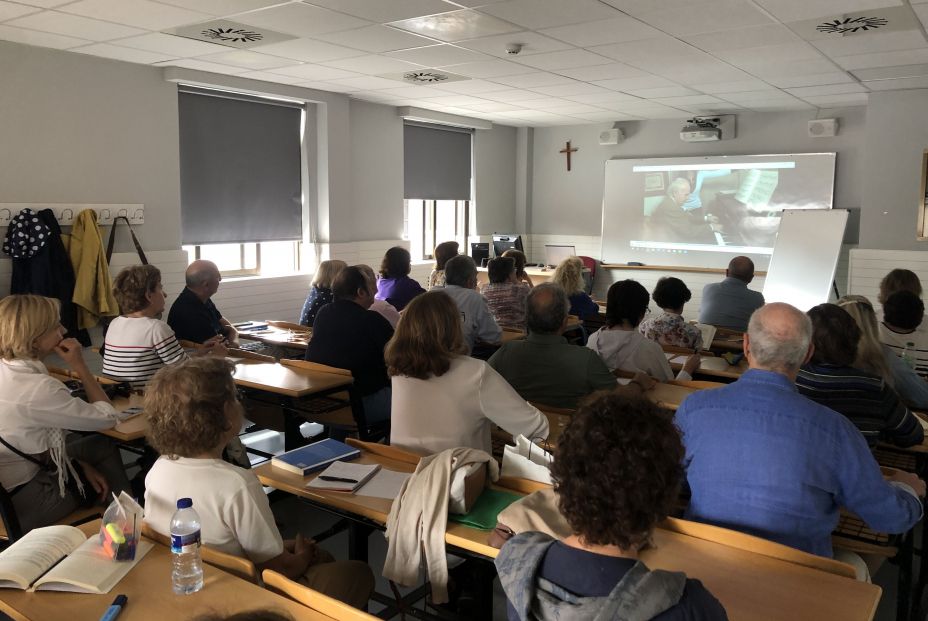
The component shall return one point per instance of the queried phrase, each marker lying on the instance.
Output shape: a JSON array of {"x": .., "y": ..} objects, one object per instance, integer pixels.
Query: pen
[
  {"x": 113, "y": 611},
  {"x": 337, "y": 479}
]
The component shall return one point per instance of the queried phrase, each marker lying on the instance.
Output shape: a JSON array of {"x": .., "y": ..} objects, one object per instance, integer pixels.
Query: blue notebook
[{"x": 315, "y": 456}]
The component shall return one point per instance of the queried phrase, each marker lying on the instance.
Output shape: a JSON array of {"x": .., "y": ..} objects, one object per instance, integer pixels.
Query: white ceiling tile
[
  {"x": 872, "y": 42},
  {"x": 631, "y": 84},
  {"x": 706, "y": 17},
  {"x": 327, "y": 86},
  {"x": 301, "y": 20},
  {"x": 653, "y": 54},
  {"x": 246, "y": 59},
  {"x": 662, "y": 91},
  {"x": 883, "y": 59},
  {"x": 512, "y": 95},
  {"x": 367, "y": 82},
  {"x": 814, "y": 79},
  {"x": 488, "y": 69},
  {"x": 171, "y": 45},
  {"x": 316, "y": 72},
  {"x": 741, "y": 38},
  {"x": 687, "y": 100},
  {"x": 566, "y": 59},
  {"x": 774, "y": 68},
  {"x": 493, "y": 106},
  {"x": 576, "y": 108},
  {"x": 545, "y": 103},
  {"x": 531, "y": 42},
  {"x": 640, "y": 7},
  {"x": 45, "y": 4},
  {"x": 307, "y": 50},
  {"x": 438, "y": 55},
  {"x": 456, "y": 100},
  {"x": 73, "y": 26},
  {"x": 376, "y": 39},
  {"x": 382, "y": 11},
  {"x": 414, "y": 91},
  {"x": 605, "y": 115},
  {"x": 474, "y": 87},
  {"x": 222, "y": 7},
  {"x": 783, "y": 52},
  {"x": 779, "y": 107},
  {"x": 372, "y": 64},
  {"x": 577, "y": 88},
  {"x": 829, "y": 89},
  {"x": 656, "y": 111},
  {"x": 537, "y": 14},
  {"x": 42, "y": 39},
  {"x": 796, "y": 10},
  {"x": 833, "y": 100},
  {"x": 888, "y": 73},
  {"x": 456, "y": 26},
  {"x": 898, "y": 84},
  {"x": 608, "y": 71},
  {"x": 122, "y": 53},
  {"x": 8, "y": 10},
  {"x": 614, "y": 30},
  {"x": 199, "y": 65},
  {"x": 701, "y": 72},
  {"x": 138, "y": 13},
  {"x": 602, "y": 99},
  {"x": 531, "y": 80},
  {"x": 267, "y": 76},
  {"x": 731, "y": 87},
  {"x": 750, "y": 98}
]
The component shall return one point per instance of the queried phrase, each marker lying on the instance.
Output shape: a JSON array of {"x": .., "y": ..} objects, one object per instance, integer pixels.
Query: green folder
[{"x": 484, "y": 512}]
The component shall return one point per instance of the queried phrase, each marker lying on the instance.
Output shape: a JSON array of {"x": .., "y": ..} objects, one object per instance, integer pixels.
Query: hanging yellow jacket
[{"x": 93, "y": 289}]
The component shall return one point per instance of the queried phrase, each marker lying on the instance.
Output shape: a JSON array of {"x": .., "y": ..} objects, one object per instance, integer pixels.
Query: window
[
  {"x": 241, "y": 181},
  {"x": 437, "y": 176}
]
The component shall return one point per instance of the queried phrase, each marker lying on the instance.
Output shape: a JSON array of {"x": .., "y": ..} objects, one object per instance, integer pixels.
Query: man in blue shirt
[
  {"x": 729, "y": 303},
  {"x": 762, "y": 459}
]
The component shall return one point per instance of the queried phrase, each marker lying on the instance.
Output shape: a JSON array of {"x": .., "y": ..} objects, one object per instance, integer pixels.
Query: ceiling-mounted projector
[{"x": 708, "y": 128}]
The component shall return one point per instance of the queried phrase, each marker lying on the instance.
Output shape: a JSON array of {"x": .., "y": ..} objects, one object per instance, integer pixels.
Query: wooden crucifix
[{"x": 567, "y": 151}]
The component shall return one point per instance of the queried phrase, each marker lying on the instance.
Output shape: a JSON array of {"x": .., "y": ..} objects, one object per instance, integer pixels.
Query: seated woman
[
  {"x": 138, "y": 342},
  {"x": 443, "y": 252},
  {"x": 395, "y": 286},
  {"x": 569, "y": 275},
  {"x": 829, "y": 378},
  {"x": 616, "y": 475},
  {"x": 519, "y": 257},
  {"x": 669, "y": 327},
  {"x": 622, "y": 346},
  {"x": 504, "y": 293},
  {"x": 443, "y": 398},
  {"x": 879, "y": 359},
  {"x": 320, "y": 293},
  {"x": 39, "y": 460},
  {"x": 193, "y": 412}
]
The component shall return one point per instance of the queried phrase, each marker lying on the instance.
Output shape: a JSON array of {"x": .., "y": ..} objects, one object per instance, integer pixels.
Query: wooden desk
[
  {"x": 287, "y": 381},
  {"x": 668, "y": 395},
  {"x": 713, "y": 366},
  {"x": 723, "y": 342},
  {"x": 148, "y": 587},
  {"x": 290, "y": 339}
]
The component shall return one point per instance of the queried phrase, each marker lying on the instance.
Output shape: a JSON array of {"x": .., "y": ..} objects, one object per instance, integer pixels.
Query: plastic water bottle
[
  {"x": 187, "y": 573},
  {"x": 908, "y": 354}
]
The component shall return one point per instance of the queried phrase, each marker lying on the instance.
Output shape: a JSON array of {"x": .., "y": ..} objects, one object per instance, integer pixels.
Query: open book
[{"x": 35, "y": 562}]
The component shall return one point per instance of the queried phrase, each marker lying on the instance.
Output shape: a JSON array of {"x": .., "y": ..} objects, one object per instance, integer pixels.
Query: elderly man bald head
[
  {"x": 729, "y": 304},
  {"x": 194, "y": 317}
]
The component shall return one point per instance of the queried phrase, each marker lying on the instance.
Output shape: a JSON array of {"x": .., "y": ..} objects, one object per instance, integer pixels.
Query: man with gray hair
[
  {"x": 763, "y": 459},
  {"x": 670, "y": 222},
  {"x": 193, "y": 315},
  {"x": 476, "y": 318},
  {"x": 544, "y": 368}
]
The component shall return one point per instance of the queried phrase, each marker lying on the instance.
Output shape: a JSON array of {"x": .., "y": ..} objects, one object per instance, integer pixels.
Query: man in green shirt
[{"x": 544, "y": 368}]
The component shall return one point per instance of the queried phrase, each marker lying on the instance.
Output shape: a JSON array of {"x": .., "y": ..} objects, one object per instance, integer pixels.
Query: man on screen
[{"x": 671, "y": 222}]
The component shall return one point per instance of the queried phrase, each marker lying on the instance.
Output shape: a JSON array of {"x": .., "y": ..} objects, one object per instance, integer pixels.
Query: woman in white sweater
[{"x": 442, "y": 398}]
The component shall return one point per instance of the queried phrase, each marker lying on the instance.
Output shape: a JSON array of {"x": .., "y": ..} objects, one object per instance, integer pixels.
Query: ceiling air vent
[
  {"x": 857, "y": 24},
  {"x": 228, "y": 33},
  {"x": 852, "y": 25},
  {"x": 427, "y": 77}
]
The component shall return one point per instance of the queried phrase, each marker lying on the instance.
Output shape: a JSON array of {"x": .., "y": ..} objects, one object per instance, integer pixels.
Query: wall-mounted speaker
[
  {"x": 611, "y": 137},
  {"x": 823, "y": 128}
]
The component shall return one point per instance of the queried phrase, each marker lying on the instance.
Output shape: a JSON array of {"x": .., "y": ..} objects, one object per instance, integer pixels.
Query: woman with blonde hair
[
  {"x": 47, "y": 472},
  {"x": 442, "y": 398},
  {"x": 569, "y": 275},
  {"x": 320, "y": 293},
  {"x": 443, "y": 252}
]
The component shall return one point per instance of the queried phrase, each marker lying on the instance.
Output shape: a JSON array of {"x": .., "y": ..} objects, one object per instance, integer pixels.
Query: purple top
[{"x": 398, "y": 291}]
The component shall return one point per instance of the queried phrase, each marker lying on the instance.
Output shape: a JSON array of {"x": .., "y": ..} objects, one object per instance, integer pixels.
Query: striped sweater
[
  {"x": 136, "y": 347},
  {"x": 864, "y": 399}
]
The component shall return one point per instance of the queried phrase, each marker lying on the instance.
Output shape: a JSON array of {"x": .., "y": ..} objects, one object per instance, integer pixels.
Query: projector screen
[{"x": 701, "y": 211}]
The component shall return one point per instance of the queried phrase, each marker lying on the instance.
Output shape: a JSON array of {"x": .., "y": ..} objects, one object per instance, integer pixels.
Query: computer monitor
[
  {"x": 504, "y": 241},
  {"x": 480, "y": 252},
  {"x": 554, "y": 254}
]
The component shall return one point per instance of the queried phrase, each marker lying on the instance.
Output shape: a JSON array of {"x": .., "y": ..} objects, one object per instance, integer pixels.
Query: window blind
[
  {"x": 437, "y": 163},
  {"x": 240, "y": 164}
]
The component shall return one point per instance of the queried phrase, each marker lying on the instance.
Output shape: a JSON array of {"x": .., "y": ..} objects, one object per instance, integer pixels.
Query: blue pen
[{"x": 113, "y": 611}]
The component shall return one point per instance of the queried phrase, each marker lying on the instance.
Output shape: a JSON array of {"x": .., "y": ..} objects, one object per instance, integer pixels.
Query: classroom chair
[
  {"x": 312, "y": 599},
  {"x": 11, "y": 530},
  {"x": 288, "y": 325},
  {"x": 229, "y": 563}
]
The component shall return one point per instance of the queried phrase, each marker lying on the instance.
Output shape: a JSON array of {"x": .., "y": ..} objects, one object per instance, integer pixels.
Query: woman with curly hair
[
  {"x": 569, "y": 275},
  {"x": 669, "y": 327},
  {"x": 194, "y": 411},
  {"x": 443, "y": 398},
  {"x": 616, "y": 474},
  {"x": 443, "y": 252},
  {"x": 395, "y": 286}
]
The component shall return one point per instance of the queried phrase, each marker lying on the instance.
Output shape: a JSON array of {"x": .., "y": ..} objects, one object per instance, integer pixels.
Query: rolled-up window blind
[
  {"x": 437, "y": 163},
  {"x": 240, "y": 165}
]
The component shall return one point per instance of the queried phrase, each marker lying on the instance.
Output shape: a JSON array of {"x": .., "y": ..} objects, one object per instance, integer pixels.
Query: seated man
[
  {"x": 461, "y": 285},
  {"x": 193, "y": 412},
  {"x": 729, "y": 304},
  {"x": 765, "y": 460},
  {"x": 632, "y": 449},
  {"x": 193, "y": 315},
  {"x": 544, "y": 368},
  {"x": 349, "y": 336}
]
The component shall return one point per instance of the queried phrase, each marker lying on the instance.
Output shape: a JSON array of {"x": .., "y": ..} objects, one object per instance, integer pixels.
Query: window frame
[{"x": 429, "y": 218}]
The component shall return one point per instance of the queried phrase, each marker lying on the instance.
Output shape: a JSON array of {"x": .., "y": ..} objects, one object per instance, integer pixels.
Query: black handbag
[{"x": 85, "y": 498}]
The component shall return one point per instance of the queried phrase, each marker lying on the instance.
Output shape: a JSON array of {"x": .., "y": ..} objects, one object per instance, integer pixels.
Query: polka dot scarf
[{"x": 26, "y": 235}]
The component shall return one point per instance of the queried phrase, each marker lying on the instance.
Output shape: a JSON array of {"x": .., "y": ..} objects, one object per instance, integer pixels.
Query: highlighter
[{"x": 113, "y": 611}]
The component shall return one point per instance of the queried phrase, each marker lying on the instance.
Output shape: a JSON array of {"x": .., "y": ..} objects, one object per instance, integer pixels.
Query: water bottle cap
[{"x": 184, "y": 503}]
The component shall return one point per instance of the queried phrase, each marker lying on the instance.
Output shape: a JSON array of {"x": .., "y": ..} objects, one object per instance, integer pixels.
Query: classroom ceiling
[{"x": 582, "y": 61}]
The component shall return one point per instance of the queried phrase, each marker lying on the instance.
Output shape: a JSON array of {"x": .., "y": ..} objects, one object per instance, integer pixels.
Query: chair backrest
[
  {"x": 697, "y": 384},
  {"x": 11, "y": 527},
  {"x": 670, "y": 349},
  {"x": 385, "y": 450},
  {"x": 314, "y": 366},
  {"x": 313, "y": 599},
  {"x": 757, "y": 545},
  {"x": 522, "y": 486},
  {"x": 288, "y": 325},
  {"x": 590, "y": 264},
  {"x": 229, "y": 563},
  {"x": 250, "y": 355}
]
